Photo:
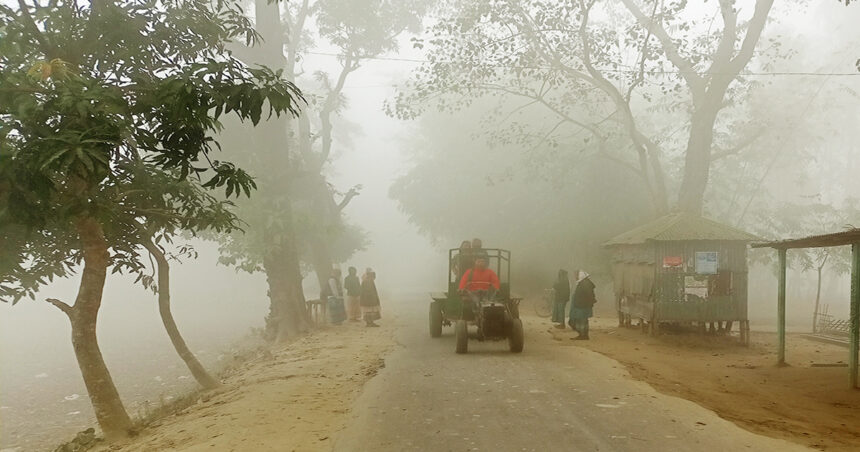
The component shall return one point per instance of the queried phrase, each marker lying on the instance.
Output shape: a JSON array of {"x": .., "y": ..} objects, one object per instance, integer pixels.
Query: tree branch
[
  {"x": 649, "y": 152},
  {"x": 754, "y": 30},
  {"x": 726, "y": 47},
  {"x": 352, "y": 193},
  {"x": 745, "y": 143},
  {"x": 61, "y": 306},
  {"x": 49, "y": 50},
  {"x": 640, "y": 77},
  {"x": 688, "y": 72}
]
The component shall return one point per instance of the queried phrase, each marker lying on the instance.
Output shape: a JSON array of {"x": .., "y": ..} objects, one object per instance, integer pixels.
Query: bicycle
[{"x": 543, "y": 305}]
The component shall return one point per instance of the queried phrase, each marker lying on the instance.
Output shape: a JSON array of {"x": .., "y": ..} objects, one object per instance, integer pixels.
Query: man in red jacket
[{"x": 479, "y": 277}]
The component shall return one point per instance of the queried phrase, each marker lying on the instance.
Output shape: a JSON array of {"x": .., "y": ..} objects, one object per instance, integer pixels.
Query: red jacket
[{"x": 475, "y": 279}]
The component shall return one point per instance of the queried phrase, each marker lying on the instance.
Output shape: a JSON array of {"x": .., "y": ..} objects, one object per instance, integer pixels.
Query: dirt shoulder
[
  {"x": 294, "y": 398},
  {"x": 802, "y": 403}
]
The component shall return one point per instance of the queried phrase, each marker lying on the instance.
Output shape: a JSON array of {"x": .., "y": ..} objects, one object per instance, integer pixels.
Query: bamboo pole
[
  {"x": 780, "y": 325},
  {"x": 855, "y": 314}
]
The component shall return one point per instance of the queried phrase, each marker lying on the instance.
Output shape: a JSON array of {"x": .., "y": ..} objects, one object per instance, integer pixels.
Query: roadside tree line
[{"x": 128, "y": 126}]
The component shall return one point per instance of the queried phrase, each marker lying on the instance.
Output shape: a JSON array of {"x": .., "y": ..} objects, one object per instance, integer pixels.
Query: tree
[
  {"x": 157, "y": 207},
  {"x": 357, "y": 30},
  {"x": 269, "y": 243},
  {"x": 580, "y": 72},
  {"x": 86, "y": 92},
  {"x": 552, "y": 212}
]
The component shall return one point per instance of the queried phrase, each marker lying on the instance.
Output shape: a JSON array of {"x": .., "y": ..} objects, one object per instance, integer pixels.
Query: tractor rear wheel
[
  {"x": 516, "y": 338},
  {"x": 462, "y": 334},
  {"x": 435, "y": 319}
]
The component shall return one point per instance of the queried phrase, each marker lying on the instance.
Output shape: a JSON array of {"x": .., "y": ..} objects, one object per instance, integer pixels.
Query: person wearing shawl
[
  {"x": 369, "y": 298},
  {"x": 561, "y": 290},
  {"x": 582, "y": 301}
]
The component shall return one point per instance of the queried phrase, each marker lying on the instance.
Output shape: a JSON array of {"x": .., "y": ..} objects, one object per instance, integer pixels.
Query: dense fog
[{"x": 441, "y": 151}]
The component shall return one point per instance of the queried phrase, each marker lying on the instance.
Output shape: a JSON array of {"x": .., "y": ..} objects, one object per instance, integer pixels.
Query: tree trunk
[
  {"x": 697, "y": 159},
  {"x": 288, "y": 312},
  {"x": 322, "y": 261},
  {"x": 288, "y": 316},
  {"x": 109, "y": 410},
  {"x": 194, "y": 365}
]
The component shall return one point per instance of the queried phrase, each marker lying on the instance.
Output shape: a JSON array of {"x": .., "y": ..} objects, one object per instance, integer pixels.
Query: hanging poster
[
  {"x": 673, "y": 261},
  {"x": 707, "y": 262},
  {"x": 695, "y": 288}
]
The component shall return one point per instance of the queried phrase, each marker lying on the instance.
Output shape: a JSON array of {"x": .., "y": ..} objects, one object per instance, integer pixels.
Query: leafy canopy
[{"x": 100, "y": 100}]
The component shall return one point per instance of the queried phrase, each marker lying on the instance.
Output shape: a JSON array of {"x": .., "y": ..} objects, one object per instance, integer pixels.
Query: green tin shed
[{"x": 681, "y": 268}]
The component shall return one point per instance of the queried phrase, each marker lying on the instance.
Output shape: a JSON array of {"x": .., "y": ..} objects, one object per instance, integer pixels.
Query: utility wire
[{"x": 615, "y": 71}]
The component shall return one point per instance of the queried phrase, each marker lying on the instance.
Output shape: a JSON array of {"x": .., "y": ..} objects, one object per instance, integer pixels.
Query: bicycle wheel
[{"x": 543, "y": 308}]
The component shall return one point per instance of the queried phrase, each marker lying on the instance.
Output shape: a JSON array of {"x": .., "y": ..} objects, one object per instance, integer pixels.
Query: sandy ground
[
  {"x": 801, "y": 403},
  {"x": 293, "y": 399}
]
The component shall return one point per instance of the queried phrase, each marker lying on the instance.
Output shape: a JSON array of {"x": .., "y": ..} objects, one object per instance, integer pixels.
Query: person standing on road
[
  {"x": 561, "y": 292},
  {"x": 370, "y": 298},
  {"x": 581, "y": 305},
  {"x": 352, "y": 285}
]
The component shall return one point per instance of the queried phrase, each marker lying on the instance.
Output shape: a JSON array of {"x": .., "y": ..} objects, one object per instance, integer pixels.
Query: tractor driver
[{"x": 479, "y": 277}]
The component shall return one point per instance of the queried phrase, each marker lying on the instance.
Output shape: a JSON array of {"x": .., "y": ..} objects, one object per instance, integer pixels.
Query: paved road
[{"x": 551, "y": 397}]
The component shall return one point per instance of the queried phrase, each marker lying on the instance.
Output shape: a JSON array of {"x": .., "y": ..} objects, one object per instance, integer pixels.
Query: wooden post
[
  {"x": 780, "y": 315},
  {"x": 854, "y": 346}
]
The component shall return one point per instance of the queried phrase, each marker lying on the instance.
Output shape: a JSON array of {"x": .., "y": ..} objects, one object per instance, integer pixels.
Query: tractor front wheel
[
  {"x": 462, "y": 334},
  {"x": 435, "y": 319},
  {"x": 516, "y": 337}
]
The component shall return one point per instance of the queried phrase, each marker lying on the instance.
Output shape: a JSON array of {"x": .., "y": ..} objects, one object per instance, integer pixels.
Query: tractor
[{"x": 494, "y": 315}]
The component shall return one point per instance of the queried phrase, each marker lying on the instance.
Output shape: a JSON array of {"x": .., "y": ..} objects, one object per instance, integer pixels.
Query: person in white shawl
[{"x": 582, "y": 301}]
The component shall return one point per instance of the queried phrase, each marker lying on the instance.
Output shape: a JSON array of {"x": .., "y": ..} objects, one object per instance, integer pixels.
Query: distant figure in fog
[
  {"x": 335, "y": 309},
  {"x": 478, "y": 250},
  {"x": 477, "y": 244},
  {"x": 370, "y": 298},
  {"x": 561, "y": 292},
  {"x": 334, "y": 286},
  {"x": 352, "y": 286},
  {"x": 464, "y": 259},
  {"x": 581, "y": 305}
]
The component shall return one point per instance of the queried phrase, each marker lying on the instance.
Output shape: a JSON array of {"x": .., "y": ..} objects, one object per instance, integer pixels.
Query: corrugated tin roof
[
  {"x": 846, "y": 237},
  {"x": 681, "y": 227}
]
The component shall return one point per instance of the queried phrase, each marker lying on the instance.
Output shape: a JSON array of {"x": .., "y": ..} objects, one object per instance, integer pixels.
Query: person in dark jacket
[
  {"x": 561, "y": 292},
  {"x": 581, "y": 305},
  {"x": 370, "y": 298},
  {"x": 352, "y": 286}
]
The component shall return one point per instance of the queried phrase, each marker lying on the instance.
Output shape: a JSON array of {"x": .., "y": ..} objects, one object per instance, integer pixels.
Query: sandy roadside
[
  {"x": 295, "y": 399},
  {"x": 806, "y": 404}
]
